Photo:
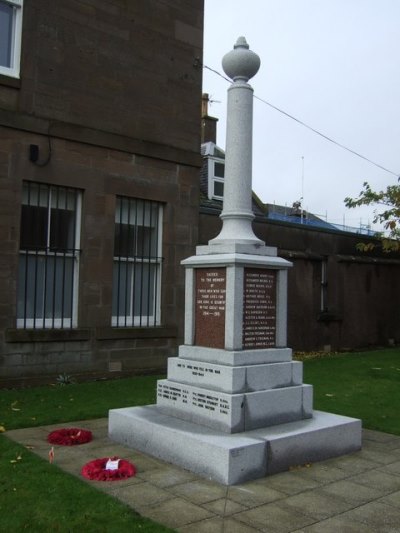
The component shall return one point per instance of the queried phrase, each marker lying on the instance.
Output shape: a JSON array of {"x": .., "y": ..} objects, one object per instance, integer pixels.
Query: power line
[
  {"x": 214, "y": 71},
  {"x": 326, "y": 137},
  {"x": 340, "y": 145}
]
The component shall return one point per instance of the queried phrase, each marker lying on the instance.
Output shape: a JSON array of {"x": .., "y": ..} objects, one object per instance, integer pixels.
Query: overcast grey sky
[{"x": 333, "y": 64}]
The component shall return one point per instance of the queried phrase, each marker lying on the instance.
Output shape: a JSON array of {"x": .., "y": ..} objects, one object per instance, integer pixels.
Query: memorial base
[{"x": 234, "y": 458}]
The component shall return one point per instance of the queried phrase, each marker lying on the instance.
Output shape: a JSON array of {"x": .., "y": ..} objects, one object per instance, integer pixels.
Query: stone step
[
  {"x": 234, "y": 380},
  {"x": 234, "y": 413},
  {"x": 233, "y": 459},
  {"x": 233, "y": 357}
]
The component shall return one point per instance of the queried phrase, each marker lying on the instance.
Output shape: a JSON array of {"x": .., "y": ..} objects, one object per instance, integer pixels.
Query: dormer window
[{"x": 216, "y": 175}]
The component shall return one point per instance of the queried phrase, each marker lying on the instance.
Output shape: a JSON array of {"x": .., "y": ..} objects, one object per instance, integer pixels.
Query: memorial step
[
  {"x": 235, "y": 380},
  {"x": 233, "y": 459},
  {"x": 235, "y": 357},
  {"x": 234, "y": 413}
]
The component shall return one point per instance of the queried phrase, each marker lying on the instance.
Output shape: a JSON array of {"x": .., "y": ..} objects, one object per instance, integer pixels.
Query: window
[
  {"x": 216, "y": 175},
  {"x": 49, "y": 256},
  {"x": 324, "y": 285},
  {"x": 137, "y": 263},
  {"x": 10, "y": 36}
]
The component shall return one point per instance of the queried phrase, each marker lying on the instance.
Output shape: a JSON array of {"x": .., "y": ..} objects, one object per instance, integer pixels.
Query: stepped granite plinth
[
  {"x": 234, "y": 422},
  {"x": 234, "y": 406},
  {"x": 235, "y": 458}
]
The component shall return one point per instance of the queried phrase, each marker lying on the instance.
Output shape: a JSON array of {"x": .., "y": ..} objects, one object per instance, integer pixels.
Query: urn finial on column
[{"x": 240, "y": 64}]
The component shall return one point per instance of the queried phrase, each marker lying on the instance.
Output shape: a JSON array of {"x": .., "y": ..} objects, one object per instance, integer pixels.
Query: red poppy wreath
[
  {"x": 69, "y": 436},
  {"x": 108, "y": 469}
]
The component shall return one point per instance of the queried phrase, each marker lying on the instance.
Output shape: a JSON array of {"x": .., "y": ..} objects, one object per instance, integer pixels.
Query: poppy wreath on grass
[
  {"x": 97, "y": 469},
  {"x": 69, "y": 436}
]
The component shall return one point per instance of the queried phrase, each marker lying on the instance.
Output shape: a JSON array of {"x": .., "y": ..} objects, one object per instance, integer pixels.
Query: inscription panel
[
  {"x": 220, "y": 378},
  {"x": 203, "y": 406},
  {"x": 210, "y": 300},
  {"x": 259, "y": 308},
  {"x": 208, "y": 400}
]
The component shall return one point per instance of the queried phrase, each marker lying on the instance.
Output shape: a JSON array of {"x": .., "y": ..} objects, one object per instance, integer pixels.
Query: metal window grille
[
  {"x": 49, "y": 257},
  {"x": 137, "y": 263}
]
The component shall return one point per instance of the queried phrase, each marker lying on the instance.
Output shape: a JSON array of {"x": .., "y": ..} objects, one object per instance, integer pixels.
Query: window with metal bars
[
  {"x": 49, "y": 256},
  {"x": 137, "y": 263}
]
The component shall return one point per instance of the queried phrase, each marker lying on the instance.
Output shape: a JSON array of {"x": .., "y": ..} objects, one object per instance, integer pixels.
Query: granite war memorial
[{"x": 234, "y": 406}]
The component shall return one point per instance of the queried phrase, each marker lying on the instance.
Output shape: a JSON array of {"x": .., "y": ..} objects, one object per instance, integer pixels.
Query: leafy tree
[{"x": 388, "y": 214}]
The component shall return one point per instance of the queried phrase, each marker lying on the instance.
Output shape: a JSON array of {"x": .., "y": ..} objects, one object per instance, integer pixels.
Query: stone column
[{"x": 240, "y": 64}]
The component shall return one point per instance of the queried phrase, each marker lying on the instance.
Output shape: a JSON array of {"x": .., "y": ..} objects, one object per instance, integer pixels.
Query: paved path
[{"x": 354, "y": 493}]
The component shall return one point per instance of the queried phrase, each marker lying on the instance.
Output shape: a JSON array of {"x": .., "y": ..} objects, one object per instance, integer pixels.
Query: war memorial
[{"x": 234, "y": 406}]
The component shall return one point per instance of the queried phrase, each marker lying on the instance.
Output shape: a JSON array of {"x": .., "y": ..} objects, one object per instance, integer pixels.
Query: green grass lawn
[
  {"x": 38, "y": 406},
  {"x": 36, "y": 496},
  {"x": 363, "y": 385}
]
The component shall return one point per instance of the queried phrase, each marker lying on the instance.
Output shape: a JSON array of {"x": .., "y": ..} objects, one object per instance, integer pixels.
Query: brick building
[{"x": 99, "y": 163}]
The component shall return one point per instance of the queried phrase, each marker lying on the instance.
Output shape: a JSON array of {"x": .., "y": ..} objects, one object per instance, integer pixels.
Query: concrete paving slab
[
  {"x": 175, "y": 513},
  {"x": 356, "y": 493},
  {"x": 199, "y": 491},
  {"x": 322, "y": 473},
  {"x": 62, "y": 455},
  {"x": 141, "y": 495},
  {"x": 224, "y": 507},
  {"x": 338, "y": 525},
  {"x": 24, "y": 435},
  {"x": 378, "y": 436},
  {"x": 274, "y": 518},
  {"x": 385, "y": 483},
  {"x": 168, "y": 476},
  {"x": 352, "y": 464},
  {"x": 288, "y": 482},
  {"x": 111, "y": 487},
  {"x": 351, "y": 492},
  {"x": 213, "y": 525},
  {"x": 253, "y": 495},
  {"x": 391, "y": 499},
  {"x": 317, "y": 504},
  {"x": 384, "y": 518},
  {"x": 109, "y": 450},
  {"x": 376, "y": 455},
  {"x": 392, "y": 468},
  {"x": 73, "y": 466}
]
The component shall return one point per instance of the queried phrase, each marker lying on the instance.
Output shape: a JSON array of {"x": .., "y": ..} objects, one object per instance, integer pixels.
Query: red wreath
[
  {"x": 69, "y": 436},
  {"x": 96, "y": 470}
]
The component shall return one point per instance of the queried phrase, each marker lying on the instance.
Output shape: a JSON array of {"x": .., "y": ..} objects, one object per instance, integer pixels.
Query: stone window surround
[{"x": 14, "y": 70}]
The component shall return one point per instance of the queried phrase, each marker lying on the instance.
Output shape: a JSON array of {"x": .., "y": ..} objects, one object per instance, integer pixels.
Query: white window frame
[
  {"x": 58, "y": 323},
  {"x": 132, "y": 320},
  {"x": 212, "y": 178},
  {"x": 16, "y": 37}
]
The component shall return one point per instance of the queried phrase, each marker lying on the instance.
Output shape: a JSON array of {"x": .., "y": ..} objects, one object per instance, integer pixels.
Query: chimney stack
[{"x": 208, "y": 124}]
